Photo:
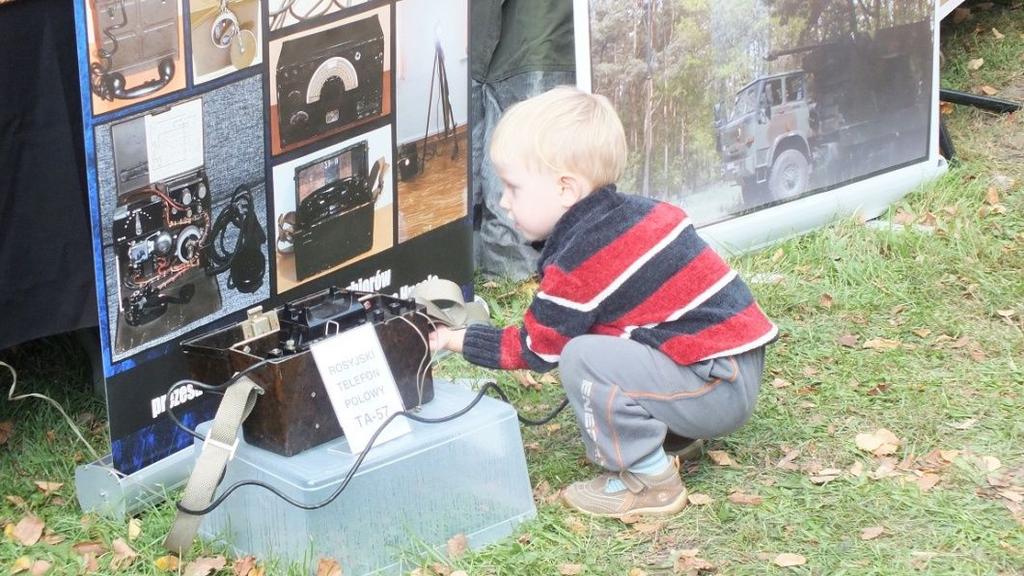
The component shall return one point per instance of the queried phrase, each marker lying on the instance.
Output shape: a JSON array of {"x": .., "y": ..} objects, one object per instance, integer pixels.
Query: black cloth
[{"x": 46, "y": 265}]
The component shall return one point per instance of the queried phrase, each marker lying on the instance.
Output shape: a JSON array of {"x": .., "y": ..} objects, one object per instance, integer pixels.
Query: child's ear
[{"x": 574, "y": 188}]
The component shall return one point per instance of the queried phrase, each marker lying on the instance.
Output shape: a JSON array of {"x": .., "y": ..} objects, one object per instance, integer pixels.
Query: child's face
[{"x": 534, "y": 200}]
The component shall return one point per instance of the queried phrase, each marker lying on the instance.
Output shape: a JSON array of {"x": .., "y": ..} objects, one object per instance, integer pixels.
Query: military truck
[{"x": 851, "y": 108}]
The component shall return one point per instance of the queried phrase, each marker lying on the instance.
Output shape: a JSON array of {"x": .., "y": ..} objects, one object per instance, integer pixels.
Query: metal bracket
[{"x": 259, "y": 323}]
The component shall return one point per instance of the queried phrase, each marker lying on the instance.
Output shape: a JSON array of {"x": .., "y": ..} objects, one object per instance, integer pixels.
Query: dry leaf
[
  {"x": 206, "y": 565},
  {"x": 992, "y": 196},
  {"x": 21, "y": 564},
  {"x": 166, "y": 563},
  {"x": 997, "y": 481},
  {"x": 880, "y": 442},
  {"x": 48, "y": 487},
  {"x": 243, "y": 566},
  {"x": 871, "y": 533},
  {"x": 960, "y": 15},
  {"x": 40, "y": 567},
  {"x": 923, "y": 332},
  {"x": 946, "y": 108},
  {"x": 881, "y": 344},
  {"x": 786, "y": 560},
  {"x": 857, "y": 469},
  {"x": 809, "y": 371},
  {"x": 698, "y": 499},
  {"x": 780, "y": 383},
  {"x": 575, "y": 525},
  {"x": 778, "y": 255},
  {"x": 998, "y": 35},
  {"x": 526, "y": 380},
  {"x": 89, "y": 547},
  {"x": 328, "y": 567},
  {"x": 91, "y": 565},
  {"x": 826, "y": 301},
  {"x": 28, "y": 531},
  {"x": 134, "y": 529},
  {"x": 687, "y": 562},
  {"x": 988, "y": 90},
  {"x": 457, "y": 545},
  {"x": 948, "y": 455},
  {"x": 548, "y": 378},
  {"x": 825, "y": 476},
  {"x": 721, "y": 458},
  {"x": 570, "y": 569},
  {"x": 927, "y": 481},
  {"x": 1012, "y": 496},
  {"x": 552, "y": 428},
  {"x": 440, "y": 569},
  {"x": 745, "y": 499},
  {"x": 123, "y": 557},
  {"x": 990, "y": 463},
  {"x": 903, "y": 218},
  {"x": 848, "y": 340},
  {"x": 459, "y": 573},
  {"x": 17, "y": 501},
  {"x": 634, "y": 571},
  {"x": 51, "y": 538},
  {"x": 648, "y": 528},
  {"x": 975, "y": 64},
  {"x": 525, "y": 538},
  {"x": 786, "y": 463},
  {"x": 6, "y": 431}
]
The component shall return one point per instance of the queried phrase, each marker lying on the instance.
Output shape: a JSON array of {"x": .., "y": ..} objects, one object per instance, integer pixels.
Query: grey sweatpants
[{"x": 626, "y": 395}]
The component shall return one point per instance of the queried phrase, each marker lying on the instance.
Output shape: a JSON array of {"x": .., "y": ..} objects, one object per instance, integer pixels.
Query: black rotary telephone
[{"x": 109, "y": 85}]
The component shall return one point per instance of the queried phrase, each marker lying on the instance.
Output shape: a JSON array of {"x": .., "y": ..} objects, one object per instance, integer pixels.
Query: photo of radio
[
  {"x": 330, "y": 79},
  {"x": 159, "y": 231},
  {"x": 334, "y": 221}
]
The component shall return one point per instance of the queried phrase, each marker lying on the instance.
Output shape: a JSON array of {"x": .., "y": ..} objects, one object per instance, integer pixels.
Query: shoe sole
[{"x": 672, "y": 507}]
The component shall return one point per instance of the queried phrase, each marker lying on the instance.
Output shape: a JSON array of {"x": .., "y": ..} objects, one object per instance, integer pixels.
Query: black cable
[
  {"x": 245, "y": 259},
  {"x": 362, "y": 455}
]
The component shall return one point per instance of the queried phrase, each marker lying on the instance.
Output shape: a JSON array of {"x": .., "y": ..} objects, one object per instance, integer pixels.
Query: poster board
[
  {"x": 767, "y": 118},
  {"x": 246, "y": 153}
]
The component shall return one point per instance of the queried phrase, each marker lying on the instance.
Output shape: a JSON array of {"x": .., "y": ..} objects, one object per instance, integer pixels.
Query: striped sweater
[{"x": 632, "y": 267}]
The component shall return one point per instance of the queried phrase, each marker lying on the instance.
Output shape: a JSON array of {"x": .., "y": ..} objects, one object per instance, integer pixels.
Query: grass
[{"x": 944, "y": 304}]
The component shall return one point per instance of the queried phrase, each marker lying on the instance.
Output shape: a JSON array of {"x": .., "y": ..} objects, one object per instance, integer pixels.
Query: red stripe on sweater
[
  {"x": 608, "y": 263},
  {"x": 543, "y": 339},
  {"x": 746, "y": 326},
  {"x": 511, "y": 357},
  {"x": 680, "y": 290}
]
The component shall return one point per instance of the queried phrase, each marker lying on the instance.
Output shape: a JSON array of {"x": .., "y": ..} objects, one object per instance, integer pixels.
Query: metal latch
[{"x": 259, "y": 323}]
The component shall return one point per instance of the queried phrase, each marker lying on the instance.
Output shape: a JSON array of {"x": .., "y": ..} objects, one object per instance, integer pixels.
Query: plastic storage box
[{"x": 466, "y": 476}]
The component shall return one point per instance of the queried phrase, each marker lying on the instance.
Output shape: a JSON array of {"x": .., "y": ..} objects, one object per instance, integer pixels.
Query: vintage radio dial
[
  {"x": 334, "y": 67},
  {"x": 299, "y": 118}
]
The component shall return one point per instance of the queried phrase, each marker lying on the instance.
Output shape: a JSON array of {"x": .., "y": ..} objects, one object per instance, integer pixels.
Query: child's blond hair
[{"x": 563, "y": 130}]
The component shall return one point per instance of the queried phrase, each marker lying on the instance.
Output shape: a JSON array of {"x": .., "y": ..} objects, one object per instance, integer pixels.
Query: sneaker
[
  {"x": 655, "y": 494},
  {"x": 687, "y": 449}
]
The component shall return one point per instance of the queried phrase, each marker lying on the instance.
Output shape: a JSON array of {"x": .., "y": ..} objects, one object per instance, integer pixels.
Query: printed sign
[{"x": 360, "y": 385}]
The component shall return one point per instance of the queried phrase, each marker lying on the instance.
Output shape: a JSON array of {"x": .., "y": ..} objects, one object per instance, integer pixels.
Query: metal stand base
[
  {"x": 103, "y": 490},
  {"x": 997, "y": 105}
]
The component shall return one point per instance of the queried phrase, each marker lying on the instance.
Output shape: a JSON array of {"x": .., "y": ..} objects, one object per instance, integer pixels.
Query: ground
[{"x": 887, "y": 439}]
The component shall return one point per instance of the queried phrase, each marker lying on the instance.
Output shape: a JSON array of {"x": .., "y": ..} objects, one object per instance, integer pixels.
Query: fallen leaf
[
  {"x": 575, "y": 525},
  {"x": 922, "y": 332},
  {"x": 880, "y": 442},
  {"x": 903, "y": 218},
  {"x": 778, "y": 255},
  {"x": 1012, "y": 496},
  {"x": 460, "y": 573},
  {"x": 457, "y": 545},
  {"x": 525, "y": 538},
  {"x": 992, "y": 196},
  {"x": 89, "y": 547},
  {"x": 975, "y": 64},
  {"x": 786, "y": 462},
  {"x": 166, "y": 563},
  {"x": 328, "y": 567},
  {"x": 825, "y": 476},
  {"x": 552, "y": 428},
  {"x": 826, "y": 301},
  {"x": 687, "y": 562},
  {"x": 721, "y": 458},
  {"x": 648, "y": 528},
  {"x": 780, "y": 383},
  {"x": 881, "y": 344},
  {"x": 526, "y": 380},
  {"x": 927, "y": 481},
  {"x": 28, "y": 530},
  {"x": 871, "y": 533},
  {"x": 243, "y": 566},
  {"x": 134, "y": 528},
  {"x": 745, "y": 499},
  {"x": 991, "y": 463},
  {"x": 698, "y": 499},
  {"x": 440, "y": 569},
  {"x": 40, "y": 567},
  {"x": 548, "y": 378},
  {"x": 946, "y": 108},
  {"x": 961, "y": 15},
  {"x": 809, "y": 371},
  {"x": 948, "y": 455},
  {"x": 17, "y": 501},
  {"x": 848, "y": 340},
  {"x": 570, "y": 569},
  {"x": 48, "y": 488},
  {"x": 965, "y": 425},
  {"x": 998, "y": 35},
  {"x": 786, "y": 560},
  {"x": 91, "y": 565},
  {"x": 6, "y": 431},
  {"x": 636, "y": 572},
  {"x": 52, "y": 538},
  {"x": 21, "y": 564},
  {"x": 988, "y": 90},
  {"x": 1008, "y": 313},
  {"x": 857, "y": 469},
  {"x": 123, "y": 556},
  {"x": 879, "y": 389},
  {"x": 206, "y": 565}
]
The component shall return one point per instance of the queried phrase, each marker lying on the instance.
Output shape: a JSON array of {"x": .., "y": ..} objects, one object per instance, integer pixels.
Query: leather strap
[
  {"x": 445, "y": 304},
  {"x": 218, "y": 448}
]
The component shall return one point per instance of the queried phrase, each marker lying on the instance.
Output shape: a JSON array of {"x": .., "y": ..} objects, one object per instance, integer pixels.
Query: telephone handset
[{"x": 111, "y": 85}]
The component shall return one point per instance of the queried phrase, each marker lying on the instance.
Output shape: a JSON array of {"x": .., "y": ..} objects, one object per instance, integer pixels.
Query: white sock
[{"x": 654, "y": 463}]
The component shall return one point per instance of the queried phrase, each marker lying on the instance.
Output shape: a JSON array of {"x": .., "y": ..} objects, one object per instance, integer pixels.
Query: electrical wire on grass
[{"x": 410, "y": 414}]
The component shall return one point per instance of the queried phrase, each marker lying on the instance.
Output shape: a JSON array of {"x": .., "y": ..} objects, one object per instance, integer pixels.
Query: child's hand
[{"x": 445, "y": 338}]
